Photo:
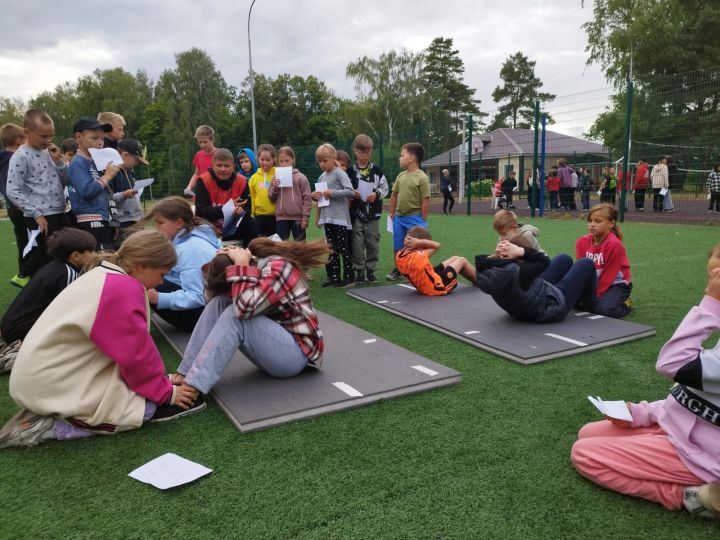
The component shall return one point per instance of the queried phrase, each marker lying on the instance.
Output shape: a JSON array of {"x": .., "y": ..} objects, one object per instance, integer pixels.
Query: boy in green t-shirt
[{"x": 410, "y": 199}]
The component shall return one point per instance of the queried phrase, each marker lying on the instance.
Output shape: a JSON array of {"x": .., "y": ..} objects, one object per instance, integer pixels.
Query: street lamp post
[{"x": 252, "y": 82}]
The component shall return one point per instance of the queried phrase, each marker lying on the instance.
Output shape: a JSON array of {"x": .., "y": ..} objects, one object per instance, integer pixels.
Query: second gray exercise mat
[
  {"x": 358, "y": 368},
  {"x": 472, "y": 316}
]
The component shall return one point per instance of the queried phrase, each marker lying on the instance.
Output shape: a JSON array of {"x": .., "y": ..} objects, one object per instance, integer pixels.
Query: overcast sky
[{"x": 45, "y": 43}]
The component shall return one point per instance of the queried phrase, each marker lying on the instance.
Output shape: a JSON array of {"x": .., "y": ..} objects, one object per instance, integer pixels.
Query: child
[
  {"x": 608, "y": 187},
  {"x": 713, "y": 187},
  {"x": 90, "y": 195},
  {"x": 659, "y": 178},
  {"x": 68, "y": 148},
  {"x": 89, "y": 365},
  {"x": 124, "y": 194},
  {"x": 292, "y": 204},
  {"x": 447, "y": 185},
  {"x": 114, "y": 136},
  {"x": 413, "y": 261},
  {"x": 34, "y": 185},
  {"x": 508, "y": 188},
  {"x": 71, "y": 250},
  {"x": 179, "y": 300},
  {"x": 268, "y": 313},
  {"x": 585, "y": 187},
  {"x": 335, "y": 217},
  {"x": 12, "y": 137},
  {"x": 343, "y": 161},
  {"x": 506, "y": 225},
  {"x": 263, "y": 209},
  {"x": 567, "y": 193},
  {"x": 366, "y": 214},
  {"x": 205, "y": 137},
  {"x": 531, "y": 287},
  {"x": 604, "y": 247},
  {"x": 247, "y": 164},
  {"x": 668, "y": 453},
  {"x": 553, "y": 186},
  {"x": 642, "y": 178},
  {"x": 410, "y": 199},
  {"x": 216, "y": 187}
]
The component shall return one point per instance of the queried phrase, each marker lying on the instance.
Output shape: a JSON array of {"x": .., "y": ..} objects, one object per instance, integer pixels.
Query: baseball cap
[
  {"x": 88, "y": 122},
  {"x": 133, "y": 147}
]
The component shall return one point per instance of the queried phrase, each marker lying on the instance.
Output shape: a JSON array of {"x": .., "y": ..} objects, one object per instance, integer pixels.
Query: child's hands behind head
[
  {"x": 506, "y": 250},
  {"x": 410, "y": 243}
]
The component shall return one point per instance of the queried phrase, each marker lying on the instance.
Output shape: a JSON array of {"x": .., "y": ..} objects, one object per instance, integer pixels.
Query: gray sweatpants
[{"x": 365, "y": 244}]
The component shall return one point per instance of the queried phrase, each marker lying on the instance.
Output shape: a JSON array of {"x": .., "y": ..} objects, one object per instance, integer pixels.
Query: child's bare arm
[
  {"x": 420, "y": 243},
  {"x": 393, "y": 204},
  {"x": 425, "y": 208},
  {"x": 193, "y": 179}
]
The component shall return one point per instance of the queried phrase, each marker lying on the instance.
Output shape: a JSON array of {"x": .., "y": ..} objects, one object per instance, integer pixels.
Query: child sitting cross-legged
[{"x": 413, "y": 262}]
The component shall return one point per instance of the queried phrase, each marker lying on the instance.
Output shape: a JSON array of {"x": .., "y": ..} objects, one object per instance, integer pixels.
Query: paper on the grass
[
  {"x": 284, "y": 174},
  {"x": 365, "y": 189},
  {"x": 32, "y": 241},
  {"x": 389, "y": 225},
  {"x": 612, "y": 409},
  {"x": 227, "y": 209},
  {"x": 322, "y": 186},
  {"x": 168, "y": 471},
  {"x": 663, "y": 191},
  {"x": 103, "y": 156}
]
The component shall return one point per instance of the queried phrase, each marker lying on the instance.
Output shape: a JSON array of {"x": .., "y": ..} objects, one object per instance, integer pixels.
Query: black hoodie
[{"x": 5, "y": 156}]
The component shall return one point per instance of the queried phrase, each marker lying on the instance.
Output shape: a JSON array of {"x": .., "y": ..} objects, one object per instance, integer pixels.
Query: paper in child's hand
[{"x": 612, "y": 409}]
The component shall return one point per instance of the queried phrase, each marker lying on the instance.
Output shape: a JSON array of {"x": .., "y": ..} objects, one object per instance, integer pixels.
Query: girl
[
  {"x": 553, "y": 187},
  {"x": 659, "y": 179},
  {"x": 263, "y": 209},
  {"x": 531, "y": 287},
  {"x": 292, "y": 204},
  {"x": 335, "y": 217},
  {"x": 608, "y": 187},
  {"x": 640, "y": 186},
  {"x": 669, "y": 452},
  {"x": 604, "y": 247},
  {"x": 89, "y": 365},
  {"x": 260, "y": 304},
  {"x": 179, "y": 299}
]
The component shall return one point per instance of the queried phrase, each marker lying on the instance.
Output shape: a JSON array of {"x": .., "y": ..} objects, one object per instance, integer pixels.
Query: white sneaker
[
  {"x": 703, "y": 501},
  {"x": 26, "y": 429}
]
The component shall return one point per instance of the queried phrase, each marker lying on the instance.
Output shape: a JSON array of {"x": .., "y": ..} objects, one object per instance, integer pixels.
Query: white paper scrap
[
  {"x": 103, "y": 156},
  {"x": 142, "y": 184},
  {"x": 168, "y": 471},
  {"x": 322, "y": 186},
  {"x": 365, "y": 189},
  {"x": 389, "y": 225},
  {"x": 32, "y": 241},
  {"x": 284, "y": 174},
  {"x": 663, "y": 191},
  {"x": 612, "y": 409},
  {"x": 227, "y": 209}
]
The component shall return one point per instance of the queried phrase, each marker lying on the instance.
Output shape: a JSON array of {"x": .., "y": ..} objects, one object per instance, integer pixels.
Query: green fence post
[
  {"x": 468, "y": 173},
  {"x": 626, "y": 150},
  {"x": 534, "y": 189},
  {"x": 382, "y": 153}
]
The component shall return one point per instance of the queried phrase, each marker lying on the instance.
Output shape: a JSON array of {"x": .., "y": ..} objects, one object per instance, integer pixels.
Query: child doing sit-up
[
  {"x": 506, "y": 225},
  {"x": 413, "y": 262}
]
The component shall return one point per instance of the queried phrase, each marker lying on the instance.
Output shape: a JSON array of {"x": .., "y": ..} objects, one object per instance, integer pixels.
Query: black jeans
[
  {"x": 184, "y": 319},
  {"x": 448, "y": 199},
  {"x": 18, "y": 222},
  {"x": 639, "y": 199},
  {"x": 38, "y": 256},
  {"x": 715, "y": 201},
  {"x": 658, "y": 200},
  {"x": 245, "y": 232},
  {"x": 266, "y": 225}
]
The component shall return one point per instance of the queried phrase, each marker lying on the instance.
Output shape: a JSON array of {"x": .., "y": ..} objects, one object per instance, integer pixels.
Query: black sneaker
[
  {"x": 393, "y": 275},
  {"x": 171, "y": 412},
  {"x": 346, "y": 283},
  {"x": 359, "y": 277},
  {"x": 371, "y": 277},
  {"x": 330, "y": 283}
]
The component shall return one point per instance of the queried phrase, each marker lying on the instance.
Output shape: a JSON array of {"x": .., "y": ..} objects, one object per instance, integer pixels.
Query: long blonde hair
[
  {"x": 302, "y": 255},
  {"x": 147, "y": 247}
]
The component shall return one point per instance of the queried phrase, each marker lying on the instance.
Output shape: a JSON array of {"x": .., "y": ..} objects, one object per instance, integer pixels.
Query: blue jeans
[
  {"x": 401, "y": 225},
  {"x": 612, "y": 302},
  {"x": 577, "y": 282},
  {"x": 585, "y": 199},
  {"x": 553, "y": 200},
  {"x": 219, "y": 334}
]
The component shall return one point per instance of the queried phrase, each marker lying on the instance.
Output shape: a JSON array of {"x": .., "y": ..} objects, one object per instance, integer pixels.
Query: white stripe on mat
[
  {"x": 426, "y": 371},
  {"x": 406, "y": 286},
  {"x": 569, "y": 340},
  {"x": 349, "y": 390},
  {"x": 596, "y": 317},
  {"x": 581, "y": 313},
  {"x": 470, "y": 332}
]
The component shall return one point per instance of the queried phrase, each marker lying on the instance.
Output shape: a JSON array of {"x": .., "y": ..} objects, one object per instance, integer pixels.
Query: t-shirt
[
  {"x": 411, "y": 189},
  {"x": 416, "y": 267},
  {"x": 203, "y": 161},
  {"x": 611, "y": 261}
]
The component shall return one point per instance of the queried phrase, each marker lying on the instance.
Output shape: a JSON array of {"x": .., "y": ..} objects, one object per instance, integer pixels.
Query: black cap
[
  {"x": 88, "y": 122},
  {"x": 133, "y": 147}
]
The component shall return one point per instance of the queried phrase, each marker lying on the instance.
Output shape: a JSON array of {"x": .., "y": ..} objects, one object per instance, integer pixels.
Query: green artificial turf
[{"x": 486, "y": 459}]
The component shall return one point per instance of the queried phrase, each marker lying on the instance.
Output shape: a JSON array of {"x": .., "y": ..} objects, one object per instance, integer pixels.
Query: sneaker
[
  {"x": 628, "y": 303},
  {"x": 26, "y": 429},
  {"x": 703, "y": 501},
  {"x": 171, "y": 412},
  {"x": 394, "y": 275},
  {"x": 371, "y": 277},
  {"x": 19, "y": 281},
  {"x": 359, "y": 277},
  {"x": 8, "y": 354},
  {"x": 346, "y": 283},
  {"x": 188, "y": 193},
  {"x": 330, "y": 283}
]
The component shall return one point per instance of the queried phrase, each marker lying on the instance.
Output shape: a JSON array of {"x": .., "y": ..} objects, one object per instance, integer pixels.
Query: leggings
[{"x": 337, "y": 238}]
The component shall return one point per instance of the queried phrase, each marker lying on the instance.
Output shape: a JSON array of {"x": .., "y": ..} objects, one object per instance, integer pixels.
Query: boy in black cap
[
  {"x": 128, "y": 204},
  {"x": 90, "y": 194}
]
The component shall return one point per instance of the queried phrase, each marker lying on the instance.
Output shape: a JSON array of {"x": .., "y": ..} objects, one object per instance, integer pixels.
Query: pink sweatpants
[{"x": 635, "y": 461}]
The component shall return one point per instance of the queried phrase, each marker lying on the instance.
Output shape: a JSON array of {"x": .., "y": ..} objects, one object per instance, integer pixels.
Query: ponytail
[
  {"x": 611, "y": 214},
  {"x": 302, "y": 255}
]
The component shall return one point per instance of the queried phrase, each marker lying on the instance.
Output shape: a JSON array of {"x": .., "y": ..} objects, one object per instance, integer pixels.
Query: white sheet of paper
[
  {"x": 32, "y": 241},
  {"x": 663, "y": 191},
  {"x": 389, "y": 225},
  {"x": 284, "y": 174},
  {"x": 103, "y": 156},
  {"x": 227, "y": 209},
  {"x": 612, "y": 409},
  {"x": 142, "y": 184},
  {"x": 365, "y": 189},
  {"x": 599, "y": 192},
  {"x": 168, "y": 471},
  {"x": 322, "y": 186}
]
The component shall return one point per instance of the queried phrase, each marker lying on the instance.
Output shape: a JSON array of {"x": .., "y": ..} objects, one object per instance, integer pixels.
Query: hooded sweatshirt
[
  {"x": 260, "y": 193},
  {"x": 253, "y": 162},
  {"x": 292, "y": 204},
  {"x": 530, "y": 234},
  {"x": 193, "y": 249}
]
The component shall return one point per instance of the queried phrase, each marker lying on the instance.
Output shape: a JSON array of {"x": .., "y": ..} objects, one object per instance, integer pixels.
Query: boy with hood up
[{"x": 247, "y": 162}]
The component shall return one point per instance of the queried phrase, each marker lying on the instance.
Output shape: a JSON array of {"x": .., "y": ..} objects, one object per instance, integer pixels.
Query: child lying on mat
[
  {"x": 531, "y": 287},
  {"x": 669, "y": 452},
  {"x": 413, "y": 261}
]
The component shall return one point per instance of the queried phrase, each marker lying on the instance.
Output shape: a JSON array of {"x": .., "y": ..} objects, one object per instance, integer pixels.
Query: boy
[
  {"x": 508, "y": 188},
  {"x": 366, "y": 214},
  {"x": 506, "y": 225},
  {"x": 34, "y": 185},
  {"x": 247, "y": 162},
  {"x": 90, "y": 195},
  {"x": 205, "y": 137},
  {"x": 12, "y": 138},
  {"x": 71, "y": 250},
  {"x": 410, "y": 198},
  {"x": 128, "y": 204},
  {"x": 68, "y": 148},
  {"x": 413, "y": 261},
  {"x": 112, "y": 138}
]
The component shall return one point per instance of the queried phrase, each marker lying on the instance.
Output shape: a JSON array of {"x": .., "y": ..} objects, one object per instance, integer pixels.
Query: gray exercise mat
[
  {"x": 358, "y": 368},
  {"x": 472, "y": 316}
]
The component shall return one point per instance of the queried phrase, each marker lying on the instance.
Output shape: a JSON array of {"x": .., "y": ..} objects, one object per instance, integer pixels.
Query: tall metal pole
[
  {"x": 626, "y": 157},
  {"x": 252, "y": 82},
  {"x": 534, "y": 189},
  {"x": 541, "y": 199},
  {"x": 468, "y": 175}
]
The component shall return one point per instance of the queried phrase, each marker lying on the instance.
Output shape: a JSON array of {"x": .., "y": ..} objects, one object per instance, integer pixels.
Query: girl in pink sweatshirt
[
  {"x": 292, "y": 204},
  {"x": 670, "y": 452}
]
